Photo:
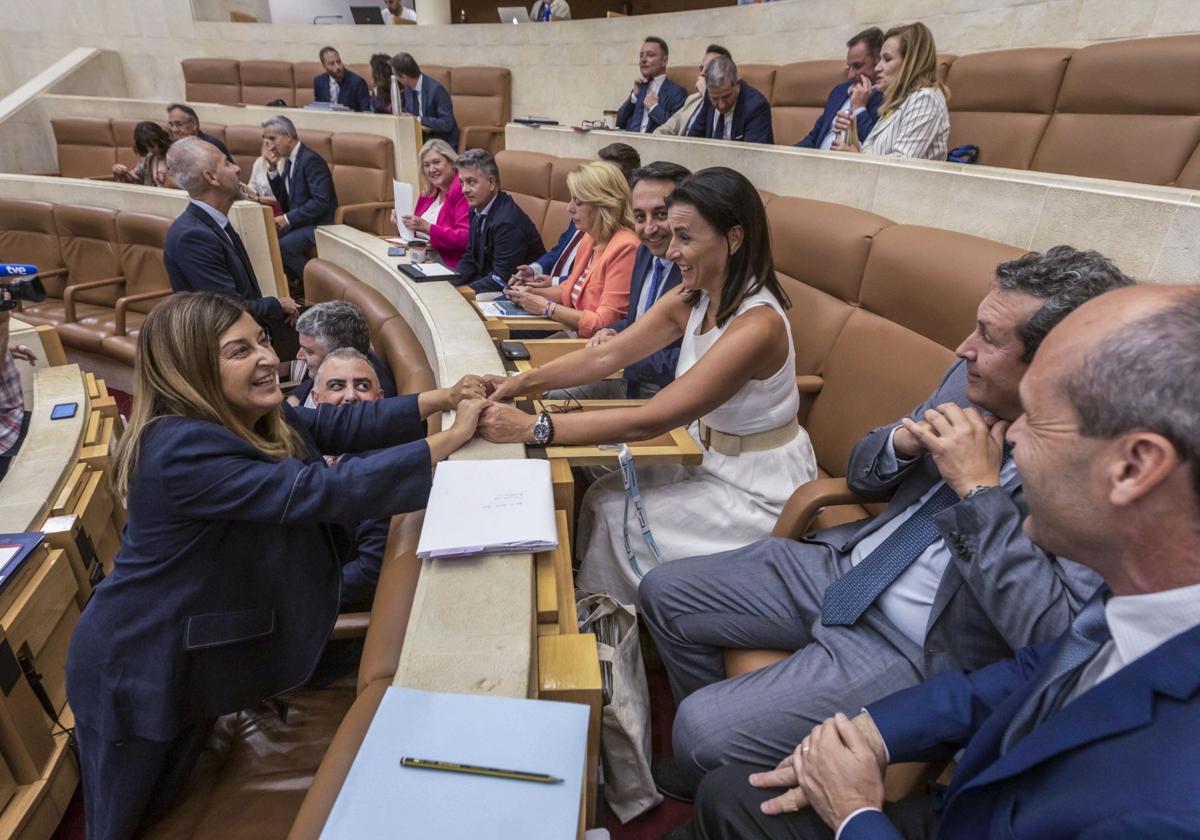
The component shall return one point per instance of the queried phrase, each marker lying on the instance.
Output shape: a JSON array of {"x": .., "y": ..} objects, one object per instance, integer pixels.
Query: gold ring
[{"x": 805, "y": 748}]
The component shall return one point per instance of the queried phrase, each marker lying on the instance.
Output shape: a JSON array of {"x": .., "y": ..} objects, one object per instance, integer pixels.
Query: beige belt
[{"x": 728, "y": 444}]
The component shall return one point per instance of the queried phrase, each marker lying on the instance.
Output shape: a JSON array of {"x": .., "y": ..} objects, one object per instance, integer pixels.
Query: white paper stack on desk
[{"x": 489, "y": 507}]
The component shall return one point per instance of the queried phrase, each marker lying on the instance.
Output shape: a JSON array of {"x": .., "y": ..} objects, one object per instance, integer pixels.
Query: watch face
[{"x": 541, "y": 430}]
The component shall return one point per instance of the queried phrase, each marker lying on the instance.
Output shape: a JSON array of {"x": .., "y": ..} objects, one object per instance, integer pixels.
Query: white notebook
[
  {"x": 380, "y": 799},
  {"x": 489, "y": 507}
]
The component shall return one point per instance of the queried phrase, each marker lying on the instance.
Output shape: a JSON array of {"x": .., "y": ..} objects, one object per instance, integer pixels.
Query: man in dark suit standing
[
  {"x": 502, "y": 236},
  {"x": 203, "y": 253},
  {"x": 871, "y": 607},
  {"x": 732, "y": 110},
  {"x": 654, "y": 97},
  {"x": 183, "y": 122},
  {"x": 303, "y": 185},
  {"x": 1095, "y": 734},
  {"x": 340, "y": 84},
  {"x": 862, "y": 53},
  {"x": 653, "y": 276},
  {"x": 425, "y": 99}
]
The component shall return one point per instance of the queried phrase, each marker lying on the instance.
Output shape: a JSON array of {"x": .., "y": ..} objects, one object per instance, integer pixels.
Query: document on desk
[
  {"x": 489, "y": 507},
  {"x": 381, "y": 799}
]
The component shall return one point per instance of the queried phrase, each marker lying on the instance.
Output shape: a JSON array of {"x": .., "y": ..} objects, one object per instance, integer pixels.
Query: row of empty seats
[
  {"x": 482, "y": 96},
  {"x": 1101, "y": 111},
  {"x": 363, "y": 165},
  {"x": 102, "y": 269}
]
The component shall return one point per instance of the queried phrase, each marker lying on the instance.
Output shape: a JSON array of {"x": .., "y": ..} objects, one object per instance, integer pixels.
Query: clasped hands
[
  {"x": 477, "y": 402},
  {"x": 967, "y": 446},
  {"x": 836, "y": 770}
]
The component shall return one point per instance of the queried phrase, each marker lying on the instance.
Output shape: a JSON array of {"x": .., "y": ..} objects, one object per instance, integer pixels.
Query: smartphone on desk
[
  {"x": 515, "y": 351},
  {"x": 397, "y": 252}
]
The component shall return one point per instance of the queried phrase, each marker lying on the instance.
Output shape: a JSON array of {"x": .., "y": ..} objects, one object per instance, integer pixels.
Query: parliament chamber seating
[
  {"x": 363, "y": 165},
  {"x": 102, "y": 269},
  {"x": 482, "y": 96}
]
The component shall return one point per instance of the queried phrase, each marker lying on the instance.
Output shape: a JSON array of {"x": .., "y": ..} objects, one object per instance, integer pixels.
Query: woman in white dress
[
  {"x": 914, "y": 120},
  {"x": 735, "y": 389}
]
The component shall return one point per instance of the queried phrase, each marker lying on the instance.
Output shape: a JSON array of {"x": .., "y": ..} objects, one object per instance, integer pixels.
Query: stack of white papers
[
  {"x": 381, "y": 799},
  {"x": 432, "y": 269},
  {"x": 489, "y": 507}
]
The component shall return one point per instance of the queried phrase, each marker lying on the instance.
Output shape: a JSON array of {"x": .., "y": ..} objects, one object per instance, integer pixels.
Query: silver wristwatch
[{"x": 543, "y": 429}]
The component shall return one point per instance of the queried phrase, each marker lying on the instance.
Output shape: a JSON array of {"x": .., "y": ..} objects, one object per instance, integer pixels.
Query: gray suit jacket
[{"x": 1000, "y": 592}]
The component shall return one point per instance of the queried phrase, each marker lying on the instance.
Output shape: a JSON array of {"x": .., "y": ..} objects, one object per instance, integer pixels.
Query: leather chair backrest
[
  {"x": 141, "y": 236},
  {"x": 526, "y": 177},
  {"x": 90, "y": 249},
  {"x": 391, "y": 336},
  {"x": 215, "y": 129},
  {"x": 266, "y": 81},
  {"x": 1002, "y": 101},
  {"x": 761, "y": 77},
  {"x": 85, "y": 146},
  {"x": 320, "y": 142},
  {"x": 557, "y": 218},
  {"x": 799, "y": 95},
  {"x": 481, "y": 95},
  {"x": 441, "y": 74},
  {"x": 1128, "y": 110},
  {"x": 245, "y": 146},
  {"x": 304, "y": 73},
  {"x": 820, "y": 251},
  {"x": 28, "y": 234},
  {"x": 1189, "y": 178},
  {"x": 363, "y": 70},
  {"x": 363, "y": 170},
  {"x": 212, "y": 80},
  {"x": 945, "y": 61}
]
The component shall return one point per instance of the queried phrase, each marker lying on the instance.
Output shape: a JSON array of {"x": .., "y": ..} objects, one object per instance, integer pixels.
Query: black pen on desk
[{"x": 452, "y": 767}]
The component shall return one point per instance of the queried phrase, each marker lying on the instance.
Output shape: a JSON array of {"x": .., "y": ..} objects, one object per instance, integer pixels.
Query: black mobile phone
[
  {"x": 515, "y": 350},
  {"x": 397, "y": 252}
]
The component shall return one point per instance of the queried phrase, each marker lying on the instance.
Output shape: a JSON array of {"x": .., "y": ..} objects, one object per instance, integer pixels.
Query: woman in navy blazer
[{"x": 227, "y": 582}]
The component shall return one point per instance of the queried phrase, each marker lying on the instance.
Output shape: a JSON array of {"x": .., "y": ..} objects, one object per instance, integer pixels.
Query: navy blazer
[
  {"x": 658, "y": 367},
  {"x": 510, "y": 239},
  {"x": 751, "y": 118},
  {"x": 227, "y": 582},
  {"x": 670, "y": 99},
  {"x": 352, "y": 92},
  {"x": 208, "y": 138},
  {"x": 437, "y": 110},
  {"x": 837, "y": 97},
  {"x": 312, "y": 199},
  {"x": 199, "y": 257},
  {"x": 547, "y": 260},
  {"x": 1118, "y": 761}
]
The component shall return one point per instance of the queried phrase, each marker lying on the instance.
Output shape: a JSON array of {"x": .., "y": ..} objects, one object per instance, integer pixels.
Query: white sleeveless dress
[{"x": 725, "y": 502}]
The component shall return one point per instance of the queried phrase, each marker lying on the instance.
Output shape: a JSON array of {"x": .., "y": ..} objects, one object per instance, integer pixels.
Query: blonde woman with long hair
[
  {"x": 914, "y": 120},
  {"x": 227, "y": 581},
  {"x": 596, "y": 293}
]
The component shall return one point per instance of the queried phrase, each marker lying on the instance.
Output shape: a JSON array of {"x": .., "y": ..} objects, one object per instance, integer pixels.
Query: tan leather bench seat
[
  {"x": 212, "y": 80},
  {"x": 266, "y": 81},
  {"x": 799, "y": 94},
  {"x": 86, "y": 148}
]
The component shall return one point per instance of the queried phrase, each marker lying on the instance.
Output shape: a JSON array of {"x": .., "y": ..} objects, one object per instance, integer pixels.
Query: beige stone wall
[
  {"x": 570, "y": 70},
  {"x": 1151, "y": 232},
  {"x": 219, "y": 10}
]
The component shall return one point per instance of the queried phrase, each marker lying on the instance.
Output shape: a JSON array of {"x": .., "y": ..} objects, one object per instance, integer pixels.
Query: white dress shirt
[
  {"x": 417, "y": 91},
  {"x": 334, "y": 89},
  {"x": 908, "y": 601},
  {"x": 217, "y": 216}
]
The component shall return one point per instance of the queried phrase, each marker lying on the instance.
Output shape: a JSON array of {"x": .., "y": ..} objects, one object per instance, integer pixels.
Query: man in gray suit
[{"x": 944, "y": 578}]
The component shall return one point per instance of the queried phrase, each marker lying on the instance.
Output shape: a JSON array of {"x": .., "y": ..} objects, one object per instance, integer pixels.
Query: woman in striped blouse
[{"x": 914, "y": 121}]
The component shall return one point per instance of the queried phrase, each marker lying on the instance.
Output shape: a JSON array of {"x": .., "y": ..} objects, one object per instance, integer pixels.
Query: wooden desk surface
[
  {"x": 675, "y": 447},
  {"x": 49, "y": 452}
]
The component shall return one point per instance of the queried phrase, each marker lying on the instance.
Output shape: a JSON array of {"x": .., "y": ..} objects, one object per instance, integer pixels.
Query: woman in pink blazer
[
  {"x": 442, "y": 213},
  {"x": 596, "y": 293}
]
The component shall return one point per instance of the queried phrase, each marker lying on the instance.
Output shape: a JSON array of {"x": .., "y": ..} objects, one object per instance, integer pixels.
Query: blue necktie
[
  {"x": 545, "y": 13},
  {"x": 635, "y": 122},
  {"x": 1088, "y": 632},
  {"x": 655, "y": 282}
]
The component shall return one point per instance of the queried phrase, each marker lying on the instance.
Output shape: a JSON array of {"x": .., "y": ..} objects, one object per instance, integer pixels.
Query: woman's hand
[
  {"x": 23, "y": 353},
  {"x": 841, "y": 122},
  {"x": 840, "y": 146},
  {"x": 531, "y": 302},
  {"x": 500, "y": 388},
  {"x": 470, "y": 387},
  {"x": 602, "y": 336},
  {"x": 466, "y": 419},
  {"x": 527, "y": 276},
  {"x": 120, "y": 172},
  {"x": 416, "y": 224},
  {"x": 506, "y": 424},
  {"x": 860, "y": 94}
]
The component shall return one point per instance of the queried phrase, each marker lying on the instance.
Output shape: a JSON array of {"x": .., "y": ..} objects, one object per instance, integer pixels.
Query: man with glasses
[{"x": 183, "y": 122}]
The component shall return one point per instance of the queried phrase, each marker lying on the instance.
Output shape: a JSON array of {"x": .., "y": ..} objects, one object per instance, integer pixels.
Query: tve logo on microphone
[{"x": 17, "y": 269}]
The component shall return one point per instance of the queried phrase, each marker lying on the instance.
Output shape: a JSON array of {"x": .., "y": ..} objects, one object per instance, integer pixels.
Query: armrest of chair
[
  {"x": 73, "y": 290},
  {"x": 467, "y": 292},
  {"x": 809, "y": 384},
  {"x": 351, "y": 626},
  {"x": 339, "y": 215},
  {"x": 123, "y": 304},
  {"x": 467, "y": 131},
  {"x": 806, "y": 502}
]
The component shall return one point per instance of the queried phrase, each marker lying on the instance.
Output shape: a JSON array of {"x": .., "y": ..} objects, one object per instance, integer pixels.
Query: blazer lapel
[
  {"x": 641, "y": 264},
  {"x": 1121, "y": 703}
]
